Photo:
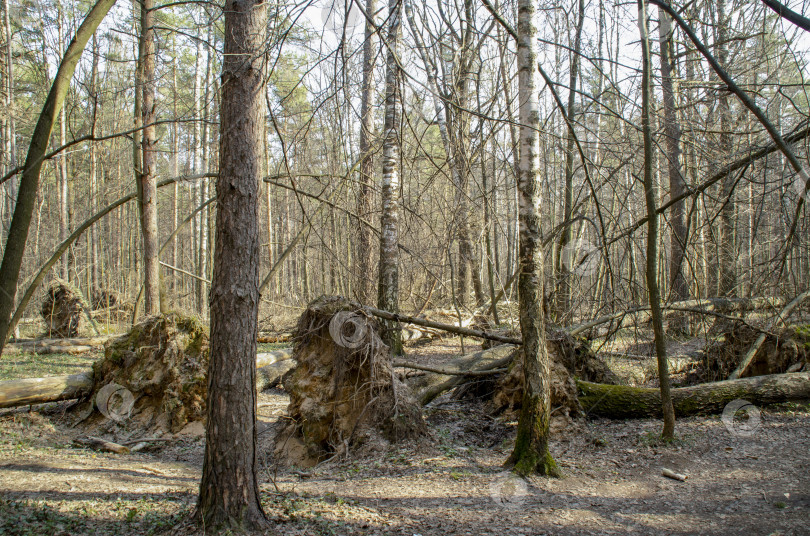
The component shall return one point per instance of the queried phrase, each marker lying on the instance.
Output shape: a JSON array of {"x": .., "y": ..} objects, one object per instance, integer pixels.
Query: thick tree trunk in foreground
[
  {"x": 623, "y": 402},
  {"x": 29, "y": 183},
  {"x": 229, "y": 491},
  {"x": 388, "y": 292},
  {"x": 531, "y": 445},
  {"x": 147, "y": 184},
  {"x": 650, "y": 193}
]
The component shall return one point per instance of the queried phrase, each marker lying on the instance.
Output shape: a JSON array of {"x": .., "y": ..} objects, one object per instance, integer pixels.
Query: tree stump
[
  {"x": 344, "y": 393},
  {"x": 62, "y": 310}
]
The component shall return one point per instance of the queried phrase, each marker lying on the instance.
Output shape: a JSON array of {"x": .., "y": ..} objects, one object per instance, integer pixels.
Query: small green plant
[{"x": 780, "y": 505}]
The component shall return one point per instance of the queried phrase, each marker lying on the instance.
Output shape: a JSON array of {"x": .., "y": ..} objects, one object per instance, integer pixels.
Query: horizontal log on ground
[
  {"x": 270, "y": 367},
  {"x": 724, "y": 305},
  {"x": 39, "y": 390},
  {"x": 268, "y": 358},
  {"x": 58, "y": 346},
  {"x": 276, "y": 338},
  {"x": 429, "y": 386},
  {"x": 624, "y": 402},
  {"x": 270, "y": 375},
  {"x": 438, "y": 325}
]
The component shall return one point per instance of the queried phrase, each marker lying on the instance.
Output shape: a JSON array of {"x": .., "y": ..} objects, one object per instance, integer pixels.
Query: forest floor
[{"x": 756, "y": 484}]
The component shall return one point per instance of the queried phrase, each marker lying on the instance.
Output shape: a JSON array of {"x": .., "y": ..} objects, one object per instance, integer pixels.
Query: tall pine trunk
[
  {"x": 229, "y": 491},
  {"x": 566, "y": 255},
  {"x": 679, "y": 289}
]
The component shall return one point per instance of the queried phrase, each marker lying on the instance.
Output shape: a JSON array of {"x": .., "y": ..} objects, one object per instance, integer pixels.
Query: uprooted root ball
[
  {"x": 343, "y": 393},
  {"x": 569, "y": 358},
  {"x": 62, "y": 310},
  {"x": 151, "y": 380}
]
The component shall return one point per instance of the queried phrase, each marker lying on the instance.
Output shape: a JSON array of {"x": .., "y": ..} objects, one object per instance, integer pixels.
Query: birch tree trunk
[
  {"x": 531, "y": 453},
  {"x": 229, "y": 491},
  {"x": 388, "y": 290},
  {"x": 650, "y": 192}
]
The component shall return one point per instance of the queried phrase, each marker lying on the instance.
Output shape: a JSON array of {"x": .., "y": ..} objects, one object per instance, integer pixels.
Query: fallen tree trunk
[
  {"x": 270, "y": 368},
  {"x": 270, "y": 375},
  {"x": 624, "y": 402},
  {"x": 58, "y": 346},
  {"x": 39, "y": 390},
  {"x": 444, "y": 327},
  {"x": 705, "y": 306},
  {"x": 429, "y": 386}
]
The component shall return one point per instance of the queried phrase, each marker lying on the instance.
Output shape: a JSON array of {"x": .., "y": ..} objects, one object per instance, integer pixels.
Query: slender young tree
[
  {"x": 531, "y": 453},
  {"x": 363, "y": 281},
  {"x": 679, "y": 288},
  {"x": 652, "y": 227},
  {"x": 147, "y": 181},
  {"x": 388, "y": 292},
  {"x": 566, "y": 253},
  {"x": 229, "y": 491}
]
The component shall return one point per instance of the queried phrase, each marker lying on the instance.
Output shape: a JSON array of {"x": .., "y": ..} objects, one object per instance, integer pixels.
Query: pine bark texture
[
  {"x": 147, "y": 202},
  {"x": 229, "y": 492},
  {"x": 388, "y": 291},
  {"x": 531, "y": 445}
]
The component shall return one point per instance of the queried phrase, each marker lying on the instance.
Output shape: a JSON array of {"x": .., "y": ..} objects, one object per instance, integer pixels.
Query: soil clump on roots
[
  {"x": 344, "y": 394},
  {"x": 151, "y": 381},
  {"x": 62, "y": 310}
]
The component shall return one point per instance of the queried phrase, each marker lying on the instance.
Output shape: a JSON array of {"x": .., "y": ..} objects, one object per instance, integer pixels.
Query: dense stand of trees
[{"x": 456, "y": 166}]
